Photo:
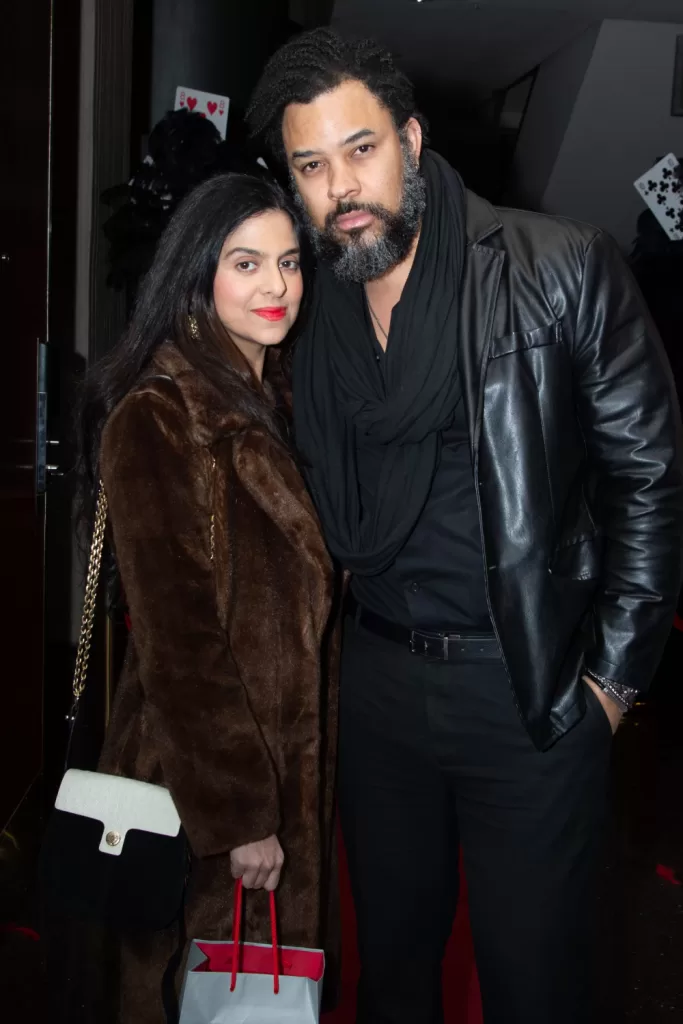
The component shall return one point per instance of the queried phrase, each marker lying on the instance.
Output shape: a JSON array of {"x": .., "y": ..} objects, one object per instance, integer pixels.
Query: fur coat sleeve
[{"x": 159, "y": 489}]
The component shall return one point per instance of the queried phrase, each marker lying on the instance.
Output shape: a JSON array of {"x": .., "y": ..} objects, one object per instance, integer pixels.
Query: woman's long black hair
[{"x": 179, "y": 285}]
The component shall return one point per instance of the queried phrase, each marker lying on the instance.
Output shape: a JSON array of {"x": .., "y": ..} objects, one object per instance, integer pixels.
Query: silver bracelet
[{"x": 624, "y": 696}]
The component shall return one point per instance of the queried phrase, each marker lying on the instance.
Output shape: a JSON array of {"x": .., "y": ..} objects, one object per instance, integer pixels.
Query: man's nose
[{"x": 342, "y": 184}]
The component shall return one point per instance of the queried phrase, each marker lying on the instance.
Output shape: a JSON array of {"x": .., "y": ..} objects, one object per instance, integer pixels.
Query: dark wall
[
  {"x": 214, "y": 46},
  {"x": 464, "y": 130}
]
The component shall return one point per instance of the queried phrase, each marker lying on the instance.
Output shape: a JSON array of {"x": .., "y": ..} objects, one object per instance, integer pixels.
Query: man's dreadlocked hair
[{"x": 316, "y": 62}]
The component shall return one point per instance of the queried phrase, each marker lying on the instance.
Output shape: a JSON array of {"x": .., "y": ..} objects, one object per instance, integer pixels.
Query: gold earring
[{"x": 194, "y": 327}]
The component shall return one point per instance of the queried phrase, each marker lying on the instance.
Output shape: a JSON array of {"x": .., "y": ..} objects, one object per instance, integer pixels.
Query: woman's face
[{"x": 258, "y": 285}]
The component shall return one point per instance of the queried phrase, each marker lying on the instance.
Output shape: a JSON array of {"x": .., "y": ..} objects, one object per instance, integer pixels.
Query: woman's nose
[{"x": 275, "y": 283}]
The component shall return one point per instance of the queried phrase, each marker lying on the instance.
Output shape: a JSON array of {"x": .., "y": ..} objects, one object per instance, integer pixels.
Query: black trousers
[{"x": 434, "y": 755}]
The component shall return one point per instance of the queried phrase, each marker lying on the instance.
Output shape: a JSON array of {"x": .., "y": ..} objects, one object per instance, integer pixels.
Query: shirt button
[{"x": 415, "y": 587}]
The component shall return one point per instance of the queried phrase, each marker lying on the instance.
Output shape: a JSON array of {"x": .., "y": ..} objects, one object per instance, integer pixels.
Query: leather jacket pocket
[
  {"x": 521, "y": 341},
  {"x": 580, "y": 560}
]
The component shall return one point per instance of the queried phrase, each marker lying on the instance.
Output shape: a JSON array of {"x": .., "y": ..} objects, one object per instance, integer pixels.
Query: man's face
[{"x": 357, "y": 178}]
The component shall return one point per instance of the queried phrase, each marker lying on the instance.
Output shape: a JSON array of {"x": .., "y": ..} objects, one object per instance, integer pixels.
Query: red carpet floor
[{"x": 461, "y": 989}]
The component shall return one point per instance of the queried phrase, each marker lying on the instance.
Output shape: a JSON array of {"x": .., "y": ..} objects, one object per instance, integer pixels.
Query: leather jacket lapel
[{"x": 480, "y": 287}]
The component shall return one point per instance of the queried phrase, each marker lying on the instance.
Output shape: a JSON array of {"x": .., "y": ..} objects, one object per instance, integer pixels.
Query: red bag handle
[{"x": 236, "y": 931}]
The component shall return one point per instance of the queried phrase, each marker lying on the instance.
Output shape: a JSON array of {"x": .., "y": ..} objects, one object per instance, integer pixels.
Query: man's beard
[{"x": 358, "y": 260}]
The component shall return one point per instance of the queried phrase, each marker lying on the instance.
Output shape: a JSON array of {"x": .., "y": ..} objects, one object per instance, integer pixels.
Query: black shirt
[{"x": 437, "y": 580}]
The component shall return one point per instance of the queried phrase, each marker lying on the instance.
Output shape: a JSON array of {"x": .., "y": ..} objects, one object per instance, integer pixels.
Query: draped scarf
[{"x": 340, "y": 391}]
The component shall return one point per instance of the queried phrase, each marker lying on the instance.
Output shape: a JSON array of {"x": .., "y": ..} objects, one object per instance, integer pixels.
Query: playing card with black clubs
[{"x": 662, "y": 189}]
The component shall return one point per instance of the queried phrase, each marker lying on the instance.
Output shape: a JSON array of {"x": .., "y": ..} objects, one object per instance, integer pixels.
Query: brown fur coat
[{"x": 229, "y": 693}]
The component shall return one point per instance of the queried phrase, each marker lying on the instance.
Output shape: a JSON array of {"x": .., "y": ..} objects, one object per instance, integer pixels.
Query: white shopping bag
[{"x": 251, "y": 983}]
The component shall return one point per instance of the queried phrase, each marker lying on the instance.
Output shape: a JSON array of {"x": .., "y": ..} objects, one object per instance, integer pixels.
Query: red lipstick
[{"x": 272, "y": 313}]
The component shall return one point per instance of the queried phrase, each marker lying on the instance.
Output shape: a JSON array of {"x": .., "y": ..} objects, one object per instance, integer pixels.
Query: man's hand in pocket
[{"x": 610, "y": 707}]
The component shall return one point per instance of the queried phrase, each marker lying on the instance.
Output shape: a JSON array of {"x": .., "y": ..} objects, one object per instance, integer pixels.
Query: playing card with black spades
[
  {"x": 662, "y": 189},
  {"x": 207, "y": 104}
]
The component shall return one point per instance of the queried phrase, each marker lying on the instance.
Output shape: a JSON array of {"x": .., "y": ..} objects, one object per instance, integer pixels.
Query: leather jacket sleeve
[{"x": 629, "y": 415}]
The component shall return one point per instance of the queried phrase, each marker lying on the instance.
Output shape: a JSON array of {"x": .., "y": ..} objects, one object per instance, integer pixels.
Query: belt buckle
[
  {"x": 414, "y": 649},
  {"x": 425, "y": 641}
]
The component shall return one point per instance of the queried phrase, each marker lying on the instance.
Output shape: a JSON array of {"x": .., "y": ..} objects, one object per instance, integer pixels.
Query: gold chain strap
[
  {"x": 90, "y": 599},
  {"x": 212, "y": 528}
]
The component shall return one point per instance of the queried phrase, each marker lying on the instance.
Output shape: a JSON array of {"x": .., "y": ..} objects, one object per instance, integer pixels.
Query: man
[{"x": 489, "y": 431}]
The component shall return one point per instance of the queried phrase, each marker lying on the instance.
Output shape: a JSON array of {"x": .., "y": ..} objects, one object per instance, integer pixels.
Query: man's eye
[
  {"x": 310, "y": 167},
  {"x": 365, "y": 148}
]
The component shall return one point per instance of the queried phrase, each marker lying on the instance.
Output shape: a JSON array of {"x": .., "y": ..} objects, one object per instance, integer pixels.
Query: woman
[{"x": 225, "y": 697}]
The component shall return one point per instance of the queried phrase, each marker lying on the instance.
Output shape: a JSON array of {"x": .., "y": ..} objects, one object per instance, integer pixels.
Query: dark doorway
[{"x": 25, "y": 205}]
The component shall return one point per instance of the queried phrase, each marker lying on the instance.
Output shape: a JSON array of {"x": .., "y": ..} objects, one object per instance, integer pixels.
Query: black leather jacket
[{"x": 578, "y": 459}]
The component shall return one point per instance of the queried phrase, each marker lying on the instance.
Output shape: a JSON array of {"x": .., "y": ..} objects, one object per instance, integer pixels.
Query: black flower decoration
[{"x": 184, "y": 150}]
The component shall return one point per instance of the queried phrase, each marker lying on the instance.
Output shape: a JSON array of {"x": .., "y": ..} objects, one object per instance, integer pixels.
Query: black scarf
[{"x": 338, "y": 387}]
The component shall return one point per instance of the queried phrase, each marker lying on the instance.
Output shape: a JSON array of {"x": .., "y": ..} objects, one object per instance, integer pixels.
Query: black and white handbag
[{"x": 114, "y": 849}]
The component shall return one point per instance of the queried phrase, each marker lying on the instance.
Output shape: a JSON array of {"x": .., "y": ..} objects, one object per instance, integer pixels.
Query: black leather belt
[{"x": 445, "y": 646}]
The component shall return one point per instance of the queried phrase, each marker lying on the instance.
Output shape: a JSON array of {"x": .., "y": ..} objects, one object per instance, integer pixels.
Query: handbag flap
[{"x": 119, "y": 804}]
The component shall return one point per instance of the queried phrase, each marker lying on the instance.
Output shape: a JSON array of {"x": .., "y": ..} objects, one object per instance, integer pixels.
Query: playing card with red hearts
[
  {"x": 207, "y": 104},
  {"x": 662, "y": 189}
]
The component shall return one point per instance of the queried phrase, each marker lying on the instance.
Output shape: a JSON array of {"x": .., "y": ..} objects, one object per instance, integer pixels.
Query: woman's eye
[
  {"x": 290, "y": 264},
  {"x": 246, "y": 265}
]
